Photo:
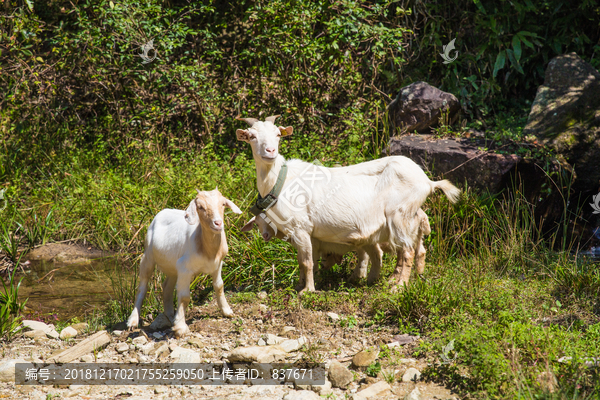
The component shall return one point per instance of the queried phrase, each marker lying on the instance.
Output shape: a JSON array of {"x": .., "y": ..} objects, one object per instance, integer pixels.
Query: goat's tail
[{"x": 451, "y": 191}]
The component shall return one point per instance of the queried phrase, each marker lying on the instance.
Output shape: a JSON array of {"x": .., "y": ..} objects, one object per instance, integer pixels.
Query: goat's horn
[
  {"x": 199, "y": 192},
  {"x": 272, "y": 118},
  {"x": 250, "y": 121}
]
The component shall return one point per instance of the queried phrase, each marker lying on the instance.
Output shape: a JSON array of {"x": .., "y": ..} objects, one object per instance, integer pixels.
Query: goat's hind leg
[
  {"x": 303, "y": 244},
  {"x": 146, "y": 271}
]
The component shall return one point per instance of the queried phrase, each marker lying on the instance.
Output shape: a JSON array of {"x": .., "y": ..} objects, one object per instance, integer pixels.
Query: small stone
[
  {"x": 263, "y": 309},
  {"x": 261, "y": 342},
  {"x": 414, "y": 395},
  {"x": 142, "y": 358},
  {"x": 159, "y": 349},
  {"x": 52, "y": 334},
  {"x": 324, "y": 389},
  {"x": 260, "y": 354},
  {"x": 87, "y": 358},
  {"x": 122, "y": 348},
  {"x": 133, "y": 360},
  {"x": 35, "y": 325},
  {"x": 285, "y": 330},
  {"x": 225, "y": 347},
  {"x": 197, "y": 342},
  {"x": 117, "y": 333},
  {"x": 68, "y": 333},
  {"x": 161, "y": 322},
  {"x": 35, "y": 334},
  {"x": 407, "y": 361},
  {"x": 333, "y": 316},
  {"x": 272, "y": 339},
  {"x": 365, "y": 358},
  {"x": 301, "y": 395},
  {"x": 262, "y": 295},
  {"x": 186, "y": 356},
  {"x": 405, "y": 338},
  {"x": 160, "y": 389},
  {"x": 374, "y": 391},
  {"x": 290, "y": 345},
  {"x": 339, "y": 375},
  {"x": 158, "y": 335},
  {"x": 411, "y": 375},
  {"x": 139, "y": 341},
  {"x": 7, "y": 370}
]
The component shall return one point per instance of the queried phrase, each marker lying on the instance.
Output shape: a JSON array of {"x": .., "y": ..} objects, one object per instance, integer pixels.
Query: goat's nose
[
  {"x": 270, "y": 150},
  {"x": 218, "y": 223}
]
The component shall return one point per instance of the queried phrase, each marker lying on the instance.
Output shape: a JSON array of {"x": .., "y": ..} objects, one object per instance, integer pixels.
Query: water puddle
[{"x": 71, "y": 290}]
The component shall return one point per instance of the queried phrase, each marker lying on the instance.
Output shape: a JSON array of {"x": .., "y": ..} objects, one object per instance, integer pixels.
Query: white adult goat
[
  {"x": 332, "y": 252},
  {"x": 184, "y": 244},
  {"x": 359, "y": 205}
]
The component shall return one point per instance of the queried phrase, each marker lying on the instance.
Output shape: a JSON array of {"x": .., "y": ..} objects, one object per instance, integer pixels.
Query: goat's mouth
[
  {"x": 269, "y": 158},
  {"x": 216, "y": 228}
]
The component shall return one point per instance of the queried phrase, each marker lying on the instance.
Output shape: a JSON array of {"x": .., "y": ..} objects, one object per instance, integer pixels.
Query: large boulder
[
  {"x": 565, "y": 116},
  {"x": 418, "y": 107},
  {"x": 461, "y": 161}
]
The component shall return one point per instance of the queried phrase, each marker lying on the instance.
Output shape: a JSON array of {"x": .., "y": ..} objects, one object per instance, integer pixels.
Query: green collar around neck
[{"x": 264, "y": 203}]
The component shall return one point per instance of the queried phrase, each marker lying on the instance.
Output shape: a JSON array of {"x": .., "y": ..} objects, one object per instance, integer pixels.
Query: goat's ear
[
  {"x": 191, "y": 213},
  {"x": 249, "y": 225},
  {"x": 285, "y": 131},
  {"x": 244, "y": 135},
  {"x": 234, "y": 208}
]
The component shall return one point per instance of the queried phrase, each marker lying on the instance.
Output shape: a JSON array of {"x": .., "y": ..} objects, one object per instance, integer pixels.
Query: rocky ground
[{"x": 256, "y": 333}]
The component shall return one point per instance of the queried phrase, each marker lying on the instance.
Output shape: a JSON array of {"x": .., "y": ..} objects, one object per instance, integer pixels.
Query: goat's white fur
[
  {"x": 184, "y": 244},
  {"x": 359, "y": 205}
]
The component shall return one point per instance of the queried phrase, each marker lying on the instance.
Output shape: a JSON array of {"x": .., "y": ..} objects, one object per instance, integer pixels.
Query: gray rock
[
  {"x": 411, "y": 375},
  {"x": 261, "y": 342},
  {"x": 565, "y": 115},
  {"x": 158, "y": 335},
  {"x": 87, "y": 358},
  {"x": 122, "y": 348},
  {"x": 414, "y": 395},
  {"x": 272, "y": 339},
  {"x": 324, "y": 389},
  {"x": 301, "y": 395},
  {"x": 339, "y": 375},
  {"x": 260, "y": 354},
  {"x": 35, "y": 334},
  {"x": 7, "y": 370},
  {"x": 52, "y": 334},
  {"x": 418, "y": 107},
  {"x": 285, "y": 330},
  {"x": 185, "y": 356},
  {"x": 139, "y": 341},
  {"x": 405, "y": 338},
  {"x": 68, "y": 333},
  {"x": 35, "y": 326},
  {"x": 196, "y": 342},
  {"x": 117, "y": 332},
  {"x": 374, "y": 391},
  {"x": 161, "y": 322},
  {"x": 159, "y": 349},
  {"x": 290, "y": 345},
  {"x": 365, "y": 358},
  {"x": 333, "y": 316}
]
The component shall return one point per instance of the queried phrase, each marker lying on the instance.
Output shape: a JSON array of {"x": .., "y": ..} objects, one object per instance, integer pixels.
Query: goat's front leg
[
  {"x": 146, "y": 271},
  {"x": 303, "y": 244},
  {"x": 360, "y": 271},
  {"x": 220, "y": 293},
  {"x": 376, "y": 254},
  {"x": 401, "y": 274},
  {"x": 184, "y": 279}
]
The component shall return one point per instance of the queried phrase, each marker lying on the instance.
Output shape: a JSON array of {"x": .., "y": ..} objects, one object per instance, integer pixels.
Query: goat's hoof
[
  {"x": 180, "y": 331},
  {"x": 227, "y": 312}
]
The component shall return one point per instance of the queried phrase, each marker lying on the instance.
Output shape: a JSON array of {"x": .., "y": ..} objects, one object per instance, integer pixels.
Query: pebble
[
  {"x": 140, "y": 341},
  {"x": 333, "y": 316},
  {"x": 68, "y": 333},
  {"x": 262, "y": 295},
  {"x": 414, "y": 395},
  {"x": 122, "y": 348},
  {"x": 411, "y": 375}
]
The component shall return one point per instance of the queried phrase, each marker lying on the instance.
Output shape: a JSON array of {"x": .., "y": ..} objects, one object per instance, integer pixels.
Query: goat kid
[
  {"x": 184, "y": 244},
  {"x": 332, "y": 253}
]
